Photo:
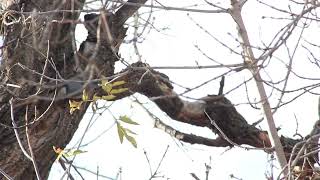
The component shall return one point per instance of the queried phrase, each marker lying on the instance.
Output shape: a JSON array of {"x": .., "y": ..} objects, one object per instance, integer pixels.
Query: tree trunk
[
  {"x": 38, "y": 59},
  {"x": 38, "y": 42},
  {"x": 30, "y": 46}
]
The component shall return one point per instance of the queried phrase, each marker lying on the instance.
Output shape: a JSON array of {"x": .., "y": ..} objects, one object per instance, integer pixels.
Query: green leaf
[
  {"x": 129, "y": 131},
  {"x": 121, "y": 132},
  {"x": 128, "y": 120},
  {"x": 132, "y": 140},
  {"x": 78, "y": 151},
  {"x": 74, "y": 152}
]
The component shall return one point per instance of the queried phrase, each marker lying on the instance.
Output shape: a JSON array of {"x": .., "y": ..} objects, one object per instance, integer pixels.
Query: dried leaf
[
  {"x": 164, "y": 87},
  {"x": 74, "y": 105},
  {"x": 58, "y": 151}
]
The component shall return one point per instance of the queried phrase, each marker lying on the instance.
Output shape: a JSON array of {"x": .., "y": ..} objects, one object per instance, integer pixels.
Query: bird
[{"x": 73, "y": 89}]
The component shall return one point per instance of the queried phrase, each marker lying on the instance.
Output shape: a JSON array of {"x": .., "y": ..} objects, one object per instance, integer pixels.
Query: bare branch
[
  {"x": 251, "y": 60},
  {"x": 6, "y": 175},
  {"x": 127, "y": 10}
]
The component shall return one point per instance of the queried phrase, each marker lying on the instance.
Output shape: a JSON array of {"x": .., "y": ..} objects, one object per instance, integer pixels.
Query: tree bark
[
  {"x": 38, "y": 59},
  {"x": 30, "y": 43}
]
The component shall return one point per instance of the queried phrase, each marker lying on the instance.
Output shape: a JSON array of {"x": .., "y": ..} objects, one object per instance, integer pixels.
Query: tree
[{"x": 43, "y": 75}]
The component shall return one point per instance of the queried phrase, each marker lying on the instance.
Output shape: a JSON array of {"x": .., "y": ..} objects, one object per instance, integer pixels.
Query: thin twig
[
  {"x": 6, "y": 175},
  {"x": 93, "y": 172},
  {"x": 156, "y": 171},
  {"x": 194, "y": 176},
  {"x": 16, "y": 131},
  {"x": 147, "y": 158},
  {"x": 62, "y": 164},
  {"x": 34, "y": 162}
]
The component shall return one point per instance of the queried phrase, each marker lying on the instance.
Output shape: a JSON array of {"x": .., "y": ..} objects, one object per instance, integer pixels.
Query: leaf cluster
[
  {"x": 125, "y": 132},
  {"x": 66, "y": 152},
  {"x": 111, "y": 90}
]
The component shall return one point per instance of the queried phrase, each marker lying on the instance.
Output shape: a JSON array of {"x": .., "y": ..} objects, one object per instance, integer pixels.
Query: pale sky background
[{"x": 175, "y": 47}]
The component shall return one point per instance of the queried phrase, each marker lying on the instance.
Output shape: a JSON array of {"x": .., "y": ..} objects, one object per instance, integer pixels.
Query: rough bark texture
[
  {"x": 40, "y": 48},
  {"x": 27, "y": 43}
]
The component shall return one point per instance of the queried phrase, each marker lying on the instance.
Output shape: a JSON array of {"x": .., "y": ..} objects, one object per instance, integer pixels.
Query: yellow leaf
[
  {"x": 106, "y": 86},
  {"x": 104, "y": 82},
  {"x": 59, "y": 151},
  {"x": 96, "y": 97},
  {"x": 118, "y": 83},
  {"x": 118, "y": 91},
  {"x": 74, "y": 105},
  {"x": 108, "y": 97},
  {"x": 164, "y": 87},
  {"x": 297, "y": 169},
  {"x": 85, "y": 95}
]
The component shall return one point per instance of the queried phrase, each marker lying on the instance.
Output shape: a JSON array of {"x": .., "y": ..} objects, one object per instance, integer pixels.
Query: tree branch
[
  {"x": 127, "y": 10},
  {"x": 251, "y": 60},
  {"x": 140, "y": 78}
]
